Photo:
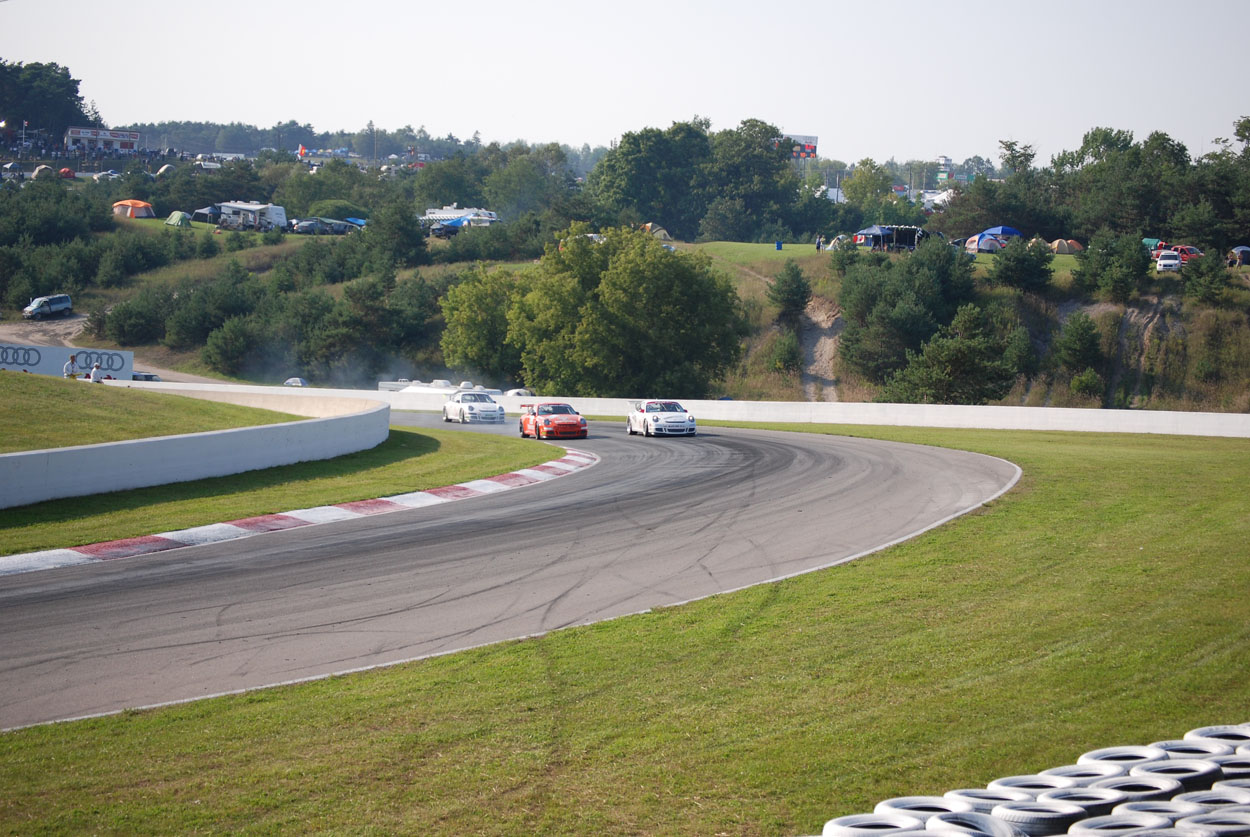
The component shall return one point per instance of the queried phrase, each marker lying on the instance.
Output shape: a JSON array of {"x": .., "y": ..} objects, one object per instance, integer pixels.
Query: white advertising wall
[
  {"x": 50, "y": 360},
  {"x": 347, "y": 426}
]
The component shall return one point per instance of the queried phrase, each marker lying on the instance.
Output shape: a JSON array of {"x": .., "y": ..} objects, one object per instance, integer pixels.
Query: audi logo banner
[{"x": 50, "y": 360}]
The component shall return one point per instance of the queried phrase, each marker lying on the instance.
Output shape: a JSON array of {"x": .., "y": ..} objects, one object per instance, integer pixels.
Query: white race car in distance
[
  {"x": 467, "y": 406},
  {"x": 659, "y": 418}
]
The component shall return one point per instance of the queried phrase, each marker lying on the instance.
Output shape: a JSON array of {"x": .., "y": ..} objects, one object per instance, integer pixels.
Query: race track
[{"x": 657, "y": 522}]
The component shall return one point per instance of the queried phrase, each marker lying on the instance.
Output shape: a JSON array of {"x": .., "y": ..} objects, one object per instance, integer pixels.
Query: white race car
[
  {"x": 659, "y": 418},
  {"x": 469, "y": 406}
]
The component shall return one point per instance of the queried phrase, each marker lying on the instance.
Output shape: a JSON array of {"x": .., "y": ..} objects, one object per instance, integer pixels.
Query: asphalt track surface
[{"x": 657, "y": 522}]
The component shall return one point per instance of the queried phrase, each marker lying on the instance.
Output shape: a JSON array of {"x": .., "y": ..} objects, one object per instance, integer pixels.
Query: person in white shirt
[
  {"x": 97, "y": 374},
  {"x": 70, "y": 370}
]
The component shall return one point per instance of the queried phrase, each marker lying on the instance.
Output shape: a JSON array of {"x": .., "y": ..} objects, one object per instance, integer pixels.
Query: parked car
[
  {"x": 552, "y": 420},
  {"x": 311, "y": 226},
  {"x": 57, "y": 305},
  {"x": 1185, "y": 251},
  {"x": 295, "y": 382},
  {"x": 469, "y": 407},
  {"x": 659, "y": 418},
  {"x": 1168, "y": 260},
  {"x": 144, "y": 376}
]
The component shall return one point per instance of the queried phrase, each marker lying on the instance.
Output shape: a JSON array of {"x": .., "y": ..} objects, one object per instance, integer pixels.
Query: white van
[{"x": 57, "y": 305}]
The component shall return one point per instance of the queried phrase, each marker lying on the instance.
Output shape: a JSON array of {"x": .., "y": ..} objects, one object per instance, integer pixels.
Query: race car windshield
[
  {"x": 665, "y": 407},
  {"x": 555, "y": 409}
]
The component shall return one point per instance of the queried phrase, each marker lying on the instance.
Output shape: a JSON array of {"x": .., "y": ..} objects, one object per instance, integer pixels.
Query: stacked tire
[{"x": 1194, "y": 786}]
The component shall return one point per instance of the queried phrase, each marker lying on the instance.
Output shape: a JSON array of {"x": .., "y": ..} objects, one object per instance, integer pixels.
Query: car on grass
[
  {"x": 1168, "y": 260},
  {"x": 552, "y": 420},
  {"x": 659, "y": 417},
  {"x": 469, "y": 407}
]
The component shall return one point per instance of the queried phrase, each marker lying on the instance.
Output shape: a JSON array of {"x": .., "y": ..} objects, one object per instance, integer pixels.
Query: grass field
[
  {"x": 1105, "y": 600},
  {"x": 88, "y": 415}
]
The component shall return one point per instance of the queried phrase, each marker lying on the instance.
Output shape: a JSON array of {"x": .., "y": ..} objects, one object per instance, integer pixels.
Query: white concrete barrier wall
[
  {"x": 345, "y": 425},
  {"x": 1165, "y": 422}
]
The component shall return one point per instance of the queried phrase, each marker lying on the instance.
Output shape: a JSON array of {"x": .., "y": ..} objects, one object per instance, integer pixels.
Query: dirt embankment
[
  {"x": 63, "y": 331},
  {"x": 819, "y": 327}
]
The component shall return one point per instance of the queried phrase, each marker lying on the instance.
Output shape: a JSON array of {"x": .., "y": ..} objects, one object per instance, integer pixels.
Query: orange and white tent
[{"x": 133, "y": 209}]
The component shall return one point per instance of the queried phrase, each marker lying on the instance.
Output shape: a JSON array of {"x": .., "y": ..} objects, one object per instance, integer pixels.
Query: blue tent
[
  {"x": 360, "y": 222},
  {"x": 875, "y": 230},
  {"x": 462, "y": 221},
  {"x": 1002, "y": 231}
]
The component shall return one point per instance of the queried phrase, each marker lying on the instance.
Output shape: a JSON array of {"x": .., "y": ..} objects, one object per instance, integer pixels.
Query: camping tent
[
  {"x": 874, "y": 236},
  {"x": 1003, "y": 232},
  {"x": 985, "y": 243},
  {"x": 1061, "y": 245},
  {"x": 1239, "y": 255},
  {"x": 43, "y": 171},
  {"x": 165, "y": 169},
  {"x": 209, "y": 214},
  {"x": 134, "y": 209},
  {"x": 67, "y": 173},
  {"x": 657, "y": 231},
  {"x": 178, "y": 218},
  {"x": 1075, "y": 245}
]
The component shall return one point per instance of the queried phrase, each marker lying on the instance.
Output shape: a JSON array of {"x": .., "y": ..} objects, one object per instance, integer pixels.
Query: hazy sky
[{"x": 904, "y": 79}]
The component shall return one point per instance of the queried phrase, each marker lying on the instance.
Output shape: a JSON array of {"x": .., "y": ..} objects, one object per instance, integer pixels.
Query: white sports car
[
  {"x": 659, "y": 418},
  {"x": 467, "y": 406}
]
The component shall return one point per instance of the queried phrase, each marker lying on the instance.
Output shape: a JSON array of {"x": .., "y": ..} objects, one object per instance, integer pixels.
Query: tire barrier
[
  {"x": 1040, "y": 819},
  {"x": 1086, "y": 774},
  {"x": 1118, "y": 823},
  {"x": 1033, "y": 784},
  {"x": 922, "y": 807},
  {"x": 1216, "y": 798},
  {"x": 1222, "y": 824},
  {"x": 983, "y": 800},
  {"x": 1096, "y": 802},
  {"x": 1127, "y": 756},
  {"x": 1158, "y": 790},
  {"x": 1193, "y": 774},
  {"x": 1169, "y": 808}
]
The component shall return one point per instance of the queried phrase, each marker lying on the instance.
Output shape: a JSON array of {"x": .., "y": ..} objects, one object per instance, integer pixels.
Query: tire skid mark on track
[{"x": 572, "y": 461}]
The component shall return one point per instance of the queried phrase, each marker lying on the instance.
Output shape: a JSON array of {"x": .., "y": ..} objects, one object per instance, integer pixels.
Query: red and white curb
[{"x": 573, "y": 460}]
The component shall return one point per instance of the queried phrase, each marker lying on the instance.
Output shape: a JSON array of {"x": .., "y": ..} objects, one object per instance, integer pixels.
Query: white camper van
[{"x": 250, "y": 215}]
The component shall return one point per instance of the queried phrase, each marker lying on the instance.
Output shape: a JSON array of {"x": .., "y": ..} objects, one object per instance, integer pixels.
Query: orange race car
[{"x": 553, "y": 420}]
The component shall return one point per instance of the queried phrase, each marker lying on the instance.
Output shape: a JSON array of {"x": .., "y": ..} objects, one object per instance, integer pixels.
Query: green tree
[
  {"x": 1077, "y": 347},
  {"x": 1205, "y": 279},
  {"x": 1025, "y": 265},
  {"x": 394, "y": 236},
  {"x": 476, "y": 336},
  {"x": 961, "y": 364},
  {"x": 790, "y": 291},
  {"x": 1113, "y": 264},
  {"x": 625, "y": 317},
  {"x": 868, "y": 185},
  {"x": 43, "y": 95}
]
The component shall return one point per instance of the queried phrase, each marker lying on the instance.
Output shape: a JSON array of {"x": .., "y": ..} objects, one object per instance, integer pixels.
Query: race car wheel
[
  {"x": 463, "y": 419},
  {"x": 522, "y": 429},
  {"x": 445, "y": 416},
  {"x": 646, "y": 429},
  {"x": 538, "y": 433},
  {"x": 629, "y": 427}
]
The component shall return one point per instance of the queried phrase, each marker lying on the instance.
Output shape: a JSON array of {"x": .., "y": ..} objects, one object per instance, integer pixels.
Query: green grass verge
[
  {"x": 409, "y": 460},
  {"x": 39, "y": 411},
  {"x": 1105, "y": 600}
]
